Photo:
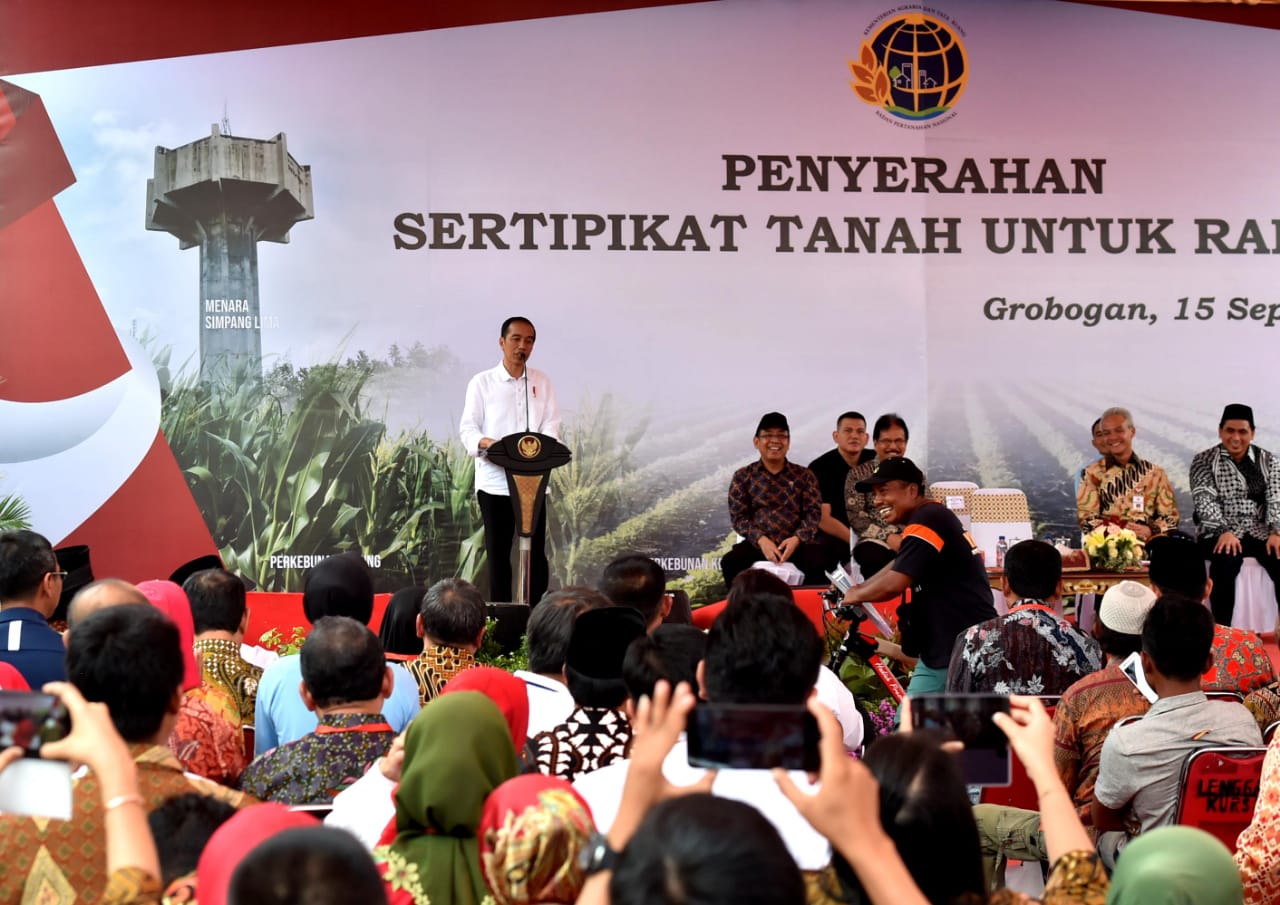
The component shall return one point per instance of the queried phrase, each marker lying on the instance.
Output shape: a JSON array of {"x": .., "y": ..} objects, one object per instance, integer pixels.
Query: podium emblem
[{"x": 529, "y": 446}]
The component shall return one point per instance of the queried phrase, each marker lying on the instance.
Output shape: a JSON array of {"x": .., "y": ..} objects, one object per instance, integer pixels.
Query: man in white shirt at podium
[{"x": 500, "y": 401}]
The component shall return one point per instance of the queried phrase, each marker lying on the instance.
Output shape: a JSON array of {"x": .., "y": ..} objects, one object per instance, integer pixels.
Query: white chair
[{"x": 999, "y": 512}]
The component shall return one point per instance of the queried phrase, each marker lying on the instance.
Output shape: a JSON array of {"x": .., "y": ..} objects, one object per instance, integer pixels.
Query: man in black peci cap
[
  {"x": 1236, "y": 489},
  {"x": 938, "y": 561},
  {"x": 775, "y": 505},
  {"x": 597, "y": 732}
]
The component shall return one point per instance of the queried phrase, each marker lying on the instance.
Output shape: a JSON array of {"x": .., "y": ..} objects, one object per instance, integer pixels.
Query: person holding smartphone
[{"x": 937, "y": 560}]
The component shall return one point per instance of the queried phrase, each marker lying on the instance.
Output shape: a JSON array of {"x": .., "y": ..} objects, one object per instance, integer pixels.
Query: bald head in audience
[{"x": 99, "y": 595}]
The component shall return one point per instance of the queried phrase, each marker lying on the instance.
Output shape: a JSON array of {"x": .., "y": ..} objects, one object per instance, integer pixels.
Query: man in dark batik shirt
[
  {"x": 1031, "y": 649},
  {"x": 597, "y": 732},
  {"x": 345, "y": 680},
  {"x": 776, "y": 506}
]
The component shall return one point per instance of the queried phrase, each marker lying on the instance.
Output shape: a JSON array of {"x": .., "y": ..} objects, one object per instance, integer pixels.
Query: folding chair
[
  {"x": 1021, "y": 792},
  {"x": 1219, "y": 790}
]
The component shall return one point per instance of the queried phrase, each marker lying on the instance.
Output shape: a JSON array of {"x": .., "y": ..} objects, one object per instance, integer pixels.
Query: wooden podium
[{"x": 528, "y": 458}]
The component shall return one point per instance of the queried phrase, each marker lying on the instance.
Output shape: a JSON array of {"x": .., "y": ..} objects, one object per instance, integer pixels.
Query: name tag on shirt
[{"x": 1139, "y": 503}]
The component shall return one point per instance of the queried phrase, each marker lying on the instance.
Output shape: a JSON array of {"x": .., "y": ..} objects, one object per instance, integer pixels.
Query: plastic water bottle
[{"x": 1001, "y": 547}]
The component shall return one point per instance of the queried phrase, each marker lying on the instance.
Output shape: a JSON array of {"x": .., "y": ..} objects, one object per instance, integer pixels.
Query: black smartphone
[
  {"x": 28, "y": 719},
  {"x": 753, "y": 737},
  {"x": 967, "y": 718}
]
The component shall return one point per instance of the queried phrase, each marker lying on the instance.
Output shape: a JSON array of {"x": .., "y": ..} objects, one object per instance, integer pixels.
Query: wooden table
[
  {"x": 1092, "y": 581},
  {"x": 1080, "y": 584}
]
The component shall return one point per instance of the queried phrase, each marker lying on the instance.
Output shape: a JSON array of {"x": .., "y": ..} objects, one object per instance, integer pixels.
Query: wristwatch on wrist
[{"x": 596, "y": 856}]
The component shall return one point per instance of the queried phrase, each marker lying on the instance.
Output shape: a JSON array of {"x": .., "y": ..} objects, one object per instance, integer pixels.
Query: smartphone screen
[
  {"x": 1131, "y": 666},
  {"x": 753, "y": 737},
  {"x": 28, "y": 719},
  {"x": 967, "y": 718}
]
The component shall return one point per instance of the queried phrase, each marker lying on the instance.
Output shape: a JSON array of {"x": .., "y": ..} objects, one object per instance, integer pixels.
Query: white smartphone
[{"x": 1131, "y": 666}]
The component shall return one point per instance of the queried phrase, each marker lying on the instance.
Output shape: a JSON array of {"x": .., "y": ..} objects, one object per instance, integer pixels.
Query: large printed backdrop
[{"x": 706, "y": 221}]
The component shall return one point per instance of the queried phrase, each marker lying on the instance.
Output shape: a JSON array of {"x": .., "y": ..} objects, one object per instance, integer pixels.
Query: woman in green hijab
[
  {"x": 456, "y": 752},
  {"x": 1175, "y": 865}
]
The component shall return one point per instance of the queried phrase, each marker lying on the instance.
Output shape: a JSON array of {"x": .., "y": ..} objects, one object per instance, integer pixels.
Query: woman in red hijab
[{"x": 209, "y": 738}]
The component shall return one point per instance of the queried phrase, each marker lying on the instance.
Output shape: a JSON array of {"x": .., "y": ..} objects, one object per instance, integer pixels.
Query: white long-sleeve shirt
[{"x": 498, "y": 404}]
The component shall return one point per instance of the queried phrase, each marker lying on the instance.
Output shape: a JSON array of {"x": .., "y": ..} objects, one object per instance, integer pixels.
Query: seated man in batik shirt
[
  {"x": 345, "y": 679},
  {"x": 776, "y": 506},
  {"x": 1123, "y": 489},
  {"x": 451, "y": 624}
]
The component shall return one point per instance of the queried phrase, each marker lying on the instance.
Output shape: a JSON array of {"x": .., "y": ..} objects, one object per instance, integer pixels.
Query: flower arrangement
[
  {"x": 882, "y": 716},
  {"x": 1112, "y": 548}
]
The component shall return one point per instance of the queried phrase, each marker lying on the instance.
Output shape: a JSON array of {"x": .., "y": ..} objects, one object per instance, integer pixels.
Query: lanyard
[
  {"x": 1030, "y": 605},
  {"x": 363, "y": 727}
]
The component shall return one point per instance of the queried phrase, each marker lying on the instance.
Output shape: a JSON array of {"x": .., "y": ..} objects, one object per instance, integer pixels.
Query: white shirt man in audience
[
  {"x": 1236, "y": 490},
  {"x": 548, "y": 633},
  {"x": 763, "y": 651},
  {"x": 1141, "y": 765}
]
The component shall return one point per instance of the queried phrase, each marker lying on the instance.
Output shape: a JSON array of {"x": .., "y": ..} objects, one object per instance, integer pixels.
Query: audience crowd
[{"x": 392, "y": 767}]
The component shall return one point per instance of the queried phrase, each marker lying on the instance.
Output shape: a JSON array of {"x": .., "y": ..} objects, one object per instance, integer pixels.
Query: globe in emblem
[{"x": 914, "y": 67}]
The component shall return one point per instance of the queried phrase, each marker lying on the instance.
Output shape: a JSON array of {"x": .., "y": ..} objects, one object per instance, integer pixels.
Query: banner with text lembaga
[{"x": 994, "y": 218}]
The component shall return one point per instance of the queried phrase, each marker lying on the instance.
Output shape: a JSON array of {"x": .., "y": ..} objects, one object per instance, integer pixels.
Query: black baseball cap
[
  {"x": 772, "y": 421},
  {"x": 892, "y": 470}
]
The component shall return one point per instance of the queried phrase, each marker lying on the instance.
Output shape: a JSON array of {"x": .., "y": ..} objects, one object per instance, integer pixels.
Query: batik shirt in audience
[
  {"x": 209, "y": 737},
  {"x": 59, "y": 861},
  {"x": 1082, "y": 720},
  {"x": 437, "y": 665},
  {"x": 280, "y": 716},
  {"x": 1258, "y": 848},
  {"x": 316, "y": 767},
  {"x": 589, "y": 739},
  {"x": 223, "y": 666},
  {"x": 1264, "y": 704},
  {"x": 1240, "y": 662},
  {"x": 1031, "y": 650},
  {"x": 1077, "y": 878}
]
